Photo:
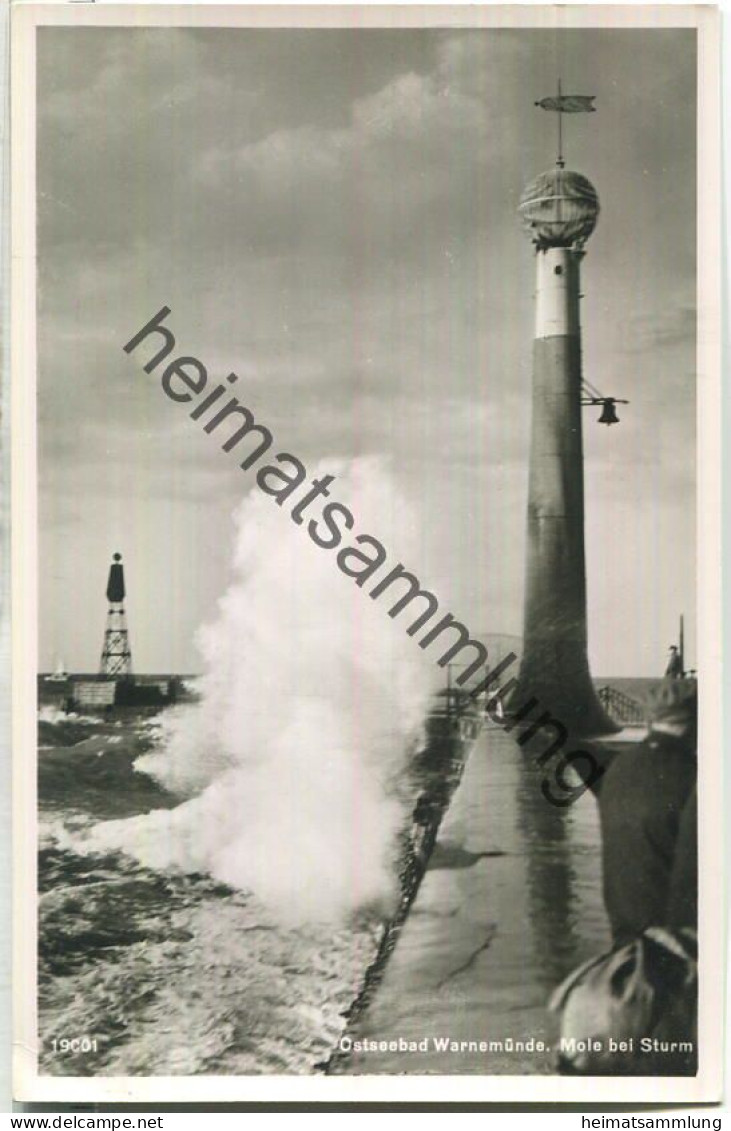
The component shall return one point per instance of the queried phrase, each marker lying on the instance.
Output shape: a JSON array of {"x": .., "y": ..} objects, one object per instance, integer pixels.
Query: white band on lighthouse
[{"x": 557, "y": 292}]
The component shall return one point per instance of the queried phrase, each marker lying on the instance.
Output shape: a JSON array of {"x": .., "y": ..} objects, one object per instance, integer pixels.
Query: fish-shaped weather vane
[
  {"x": 569, "y": 103},
  {"x": 561, "y": 104}
]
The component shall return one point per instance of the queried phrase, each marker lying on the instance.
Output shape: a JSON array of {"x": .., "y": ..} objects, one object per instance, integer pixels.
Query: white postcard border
[{"x": 28, "y": 1084}]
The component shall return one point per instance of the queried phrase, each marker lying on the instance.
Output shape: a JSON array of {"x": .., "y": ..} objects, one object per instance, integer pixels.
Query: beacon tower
[
  {"x": 116, "y": 661},
  {"x": 559, "y": 209}
]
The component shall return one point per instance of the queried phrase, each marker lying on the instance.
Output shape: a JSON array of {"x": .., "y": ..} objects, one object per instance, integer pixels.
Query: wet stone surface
[{"x": 511, "y": 901}]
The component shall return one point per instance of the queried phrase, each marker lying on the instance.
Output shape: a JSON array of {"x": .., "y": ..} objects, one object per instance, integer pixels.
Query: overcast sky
[{"x": 332, "y": 214}]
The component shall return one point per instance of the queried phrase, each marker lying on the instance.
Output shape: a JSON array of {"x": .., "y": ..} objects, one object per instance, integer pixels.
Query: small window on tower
[{"x": 558, "y": 270}]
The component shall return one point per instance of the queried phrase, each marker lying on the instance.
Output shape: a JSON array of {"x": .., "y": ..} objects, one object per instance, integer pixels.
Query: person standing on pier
[{"x": 674, "y": 670}]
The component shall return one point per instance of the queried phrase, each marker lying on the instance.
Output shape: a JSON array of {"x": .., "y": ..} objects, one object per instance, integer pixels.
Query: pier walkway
[{"x": 510, "y": 903}]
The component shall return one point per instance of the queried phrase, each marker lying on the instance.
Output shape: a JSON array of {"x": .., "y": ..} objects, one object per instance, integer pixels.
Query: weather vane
[{"x": 566, "y": 104}]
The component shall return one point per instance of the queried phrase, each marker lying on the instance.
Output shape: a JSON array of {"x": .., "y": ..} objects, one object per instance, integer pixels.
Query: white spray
[{"x": 312, "y": 698}]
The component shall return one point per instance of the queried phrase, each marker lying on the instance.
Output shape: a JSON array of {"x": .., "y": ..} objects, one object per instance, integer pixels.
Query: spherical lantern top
[{"x": 559, "y": 208}]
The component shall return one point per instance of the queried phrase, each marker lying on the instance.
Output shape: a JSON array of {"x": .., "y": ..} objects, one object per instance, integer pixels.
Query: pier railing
[
  {"x": 622, "y": 708},
  {"x": 457, "y": 704}
]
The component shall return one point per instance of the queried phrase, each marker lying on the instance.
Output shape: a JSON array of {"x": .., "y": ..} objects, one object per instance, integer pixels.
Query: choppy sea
[
  {"x": 164, "y": 973},
  {"x": 160, "y": 972}
]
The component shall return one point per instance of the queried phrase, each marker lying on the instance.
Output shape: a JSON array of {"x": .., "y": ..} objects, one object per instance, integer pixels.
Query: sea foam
[{"x": 311, "y": 700}]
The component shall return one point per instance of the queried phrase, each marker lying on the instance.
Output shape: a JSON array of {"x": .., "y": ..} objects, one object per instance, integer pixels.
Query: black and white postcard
[{"x": 366, "y": 479}]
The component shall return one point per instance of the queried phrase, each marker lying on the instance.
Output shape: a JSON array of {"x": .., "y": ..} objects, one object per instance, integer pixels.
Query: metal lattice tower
[{"x": 116, "y": 661}]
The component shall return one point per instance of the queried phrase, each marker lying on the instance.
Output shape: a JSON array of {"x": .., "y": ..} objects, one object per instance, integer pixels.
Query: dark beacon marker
[
  {"x": 116, "y": 660},
  {"x": 115, "y": 585}
]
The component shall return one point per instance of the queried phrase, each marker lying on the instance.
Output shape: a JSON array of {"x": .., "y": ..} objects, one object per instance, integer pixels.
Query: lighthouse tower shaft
[{"x": 555, "y": 667}]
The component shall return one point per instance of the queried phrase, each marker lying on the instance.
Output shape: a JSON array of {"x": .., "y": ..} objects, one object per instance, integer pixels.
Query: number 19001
[{"x": 74, "y": 1044}]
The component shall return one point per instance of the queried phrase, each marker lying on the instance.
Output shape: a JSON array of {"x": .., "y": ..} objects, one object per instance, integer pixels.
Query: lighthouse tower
[
  {"x": 116, "y": 661},
  {"x": 559, "y": 209}
]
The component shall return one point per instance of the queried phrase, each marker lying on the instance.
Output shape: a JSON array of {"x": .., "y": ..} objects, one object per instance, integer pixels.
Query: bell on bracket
[{"x": 609, "y": 412}]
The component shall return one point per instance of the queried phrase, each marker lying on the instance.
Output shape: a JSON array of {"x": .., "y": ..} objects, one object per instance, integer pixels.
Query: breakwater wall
[{"x": 437, "y": 770}]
